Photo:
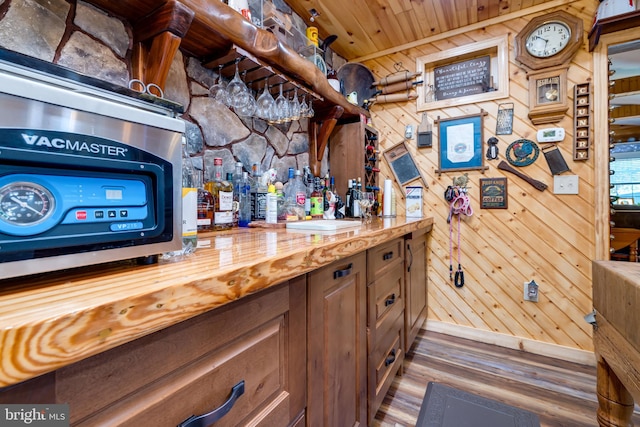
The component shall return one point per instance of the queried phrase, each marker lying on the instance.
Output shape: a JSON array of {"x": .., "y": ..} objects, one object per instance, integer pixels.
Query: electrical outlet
[
  {"x": 531, "y": 291},
  {"x": 408, "y": 132}
]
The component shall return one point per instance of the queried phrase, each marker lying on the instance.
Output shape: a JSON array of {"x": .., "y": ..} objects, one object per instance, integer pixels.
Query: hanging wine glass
[
  {"x": 219, "y": 90},
  {"x": 264, "y": 103},
  {"x": 281, "y": 108},
  {"x": 304, "y": 108},
  {"x": 294, "y": 106},
  {"x": 310, "y": 112},
  {"x": 235, "y": 88},
  {"x": 245, "y": 103}
]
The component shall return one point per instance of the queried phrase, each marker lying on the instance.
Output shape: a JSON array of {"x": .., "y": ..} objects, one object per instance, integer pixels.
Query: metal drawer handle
[
  {"x": 390, "y": 358},
  {"x": 342, "y": 273},
  {"x": 387, "y": 256},
  {"x": 390, "y": 300},
  {"x": 411, "y": 259},
  {"x": 205, "y": 420}
]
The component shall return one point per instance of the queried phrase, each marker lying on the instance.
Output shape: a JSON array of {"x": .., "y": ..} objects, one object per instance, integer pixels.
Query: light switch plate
[{"x": 565, "y": 184}]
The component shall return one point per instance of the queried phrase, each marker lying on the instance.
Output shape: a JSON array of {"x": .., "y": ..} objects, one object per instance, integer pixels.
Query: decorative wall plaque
[
  {"x": 582, "y": 120},
  {"x": 493, "y": 193}
]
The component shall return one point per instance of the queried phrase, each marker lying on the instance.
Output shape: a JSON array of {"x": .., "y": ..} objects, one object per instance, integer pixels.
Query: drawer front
[
  {"x": 206, "y": 384},
  {"x": 385, "y": 294},
  {"x": 385, "y": 361},
  {"x": 383, "y": 257}
]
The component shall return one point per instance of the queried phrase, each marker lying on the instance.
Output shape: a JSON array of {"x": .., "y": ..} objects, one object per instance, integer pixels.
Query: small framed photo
[{"x": 493, "y": 193}]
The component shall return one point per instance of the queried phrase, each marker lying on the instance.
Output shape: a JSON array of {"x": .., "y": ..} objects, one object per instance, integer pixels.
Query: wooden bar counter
[
  {"x": 53, "y": 320},
  {"x": 616, "y": 299}
]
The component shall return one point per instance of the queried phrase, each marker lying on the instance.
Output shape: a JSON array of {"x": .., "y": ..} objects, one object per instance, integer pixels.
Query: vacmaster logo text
[
  {"x": 74, "y": 145},
  {"x": 34, "y": 415}
]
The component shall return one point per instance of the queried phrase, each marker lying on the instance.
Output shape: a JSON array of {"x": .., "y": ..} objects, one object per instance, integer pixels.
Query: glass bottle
[
  {"x": 300, "y": 190},
  {"x": 348, "y": 200},
  {"x": 237, "y": 180},
  {"x": 289, "y": 191},
  {"x": 222, "y": 191},
  {"x": 205, "y": 205},
  {"x": 244, "y": 198},
  {"x": 235, "y": 206},
  {"x": 308, "y": 183},
  {"x": 317, "y": 201},
  {"x": 189, "y": 203}
]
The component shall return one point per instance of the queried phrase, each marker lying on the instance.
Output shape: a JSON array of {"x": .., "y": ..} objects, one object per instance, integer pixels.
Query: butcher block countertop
[{"x": 52, "y": 320}]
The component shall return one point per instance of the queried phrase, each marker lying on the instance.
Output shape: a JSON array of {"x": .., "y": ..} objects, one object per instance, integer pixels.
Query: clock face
[{"x": 548, "y": 39}]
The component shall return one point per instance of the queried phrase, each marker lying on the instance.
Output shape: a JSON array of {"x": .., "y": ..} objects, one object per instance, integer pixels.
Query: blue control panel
[{"x": 31, "y": 204}]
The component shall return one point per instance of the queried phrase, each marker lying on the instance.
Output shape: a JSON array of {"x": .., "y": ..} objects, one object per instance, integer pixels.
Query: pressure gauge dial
[{"x": 25, "y": 203}]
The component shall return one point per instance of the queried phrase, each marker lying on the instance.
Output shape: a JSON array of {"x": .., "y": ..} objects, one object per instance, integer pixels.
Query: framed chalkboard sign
[
  {"x": 463, "y": 78},
  {"x": 471, "y": 73},
  {"x": 402, "y": 165}
]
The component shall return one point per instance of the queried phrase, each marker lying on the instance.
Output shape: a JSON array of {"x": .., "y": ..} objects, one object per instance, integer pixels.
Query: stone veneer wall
[{"x": 76, "y": 35}]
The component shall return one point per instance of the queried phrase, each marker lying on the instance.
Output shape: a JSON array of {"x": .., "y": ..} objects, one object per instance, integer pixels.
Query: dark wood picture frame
[
  {"x": 493, "y": 193},
  {"x": 461, "y": 143}
]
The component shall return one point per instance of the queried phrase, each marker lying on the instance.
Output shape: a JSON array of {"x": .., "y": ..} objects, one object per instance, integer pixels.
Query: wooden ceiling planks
[{"x": 367, "y": 27}]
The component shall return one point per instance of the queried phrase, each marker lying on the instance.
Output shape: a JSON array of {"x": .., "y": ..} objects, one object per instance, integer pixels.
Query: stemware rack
[{"x": 255, "y": 74}]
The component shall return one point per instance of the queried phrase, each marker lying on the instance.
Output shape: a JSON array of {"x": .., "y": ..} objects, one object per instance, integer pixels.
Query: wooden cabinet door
[
  {"x": 337, "y": 344},
  {"x": 416, "y": 286}
]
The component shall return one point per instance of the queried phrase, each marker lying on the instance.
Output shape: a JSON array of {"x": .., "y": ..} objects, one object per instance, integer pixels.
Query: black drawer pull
[
  {"x": 205, "y": 420},
  {"x": 342, "y": 273},
  {"x": 390, "y": 358},
  {"x": 390, "y": 300},
  {"x": 411, "y": 259},
  {"x": 387, "y": 256}
]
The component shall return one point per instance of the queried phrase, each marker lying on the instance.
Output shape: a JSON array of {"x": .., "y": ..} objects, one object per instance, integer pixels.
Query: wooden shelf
[
  {"x": 611, "y": 25},
  {"x": 213, "y": 32}
]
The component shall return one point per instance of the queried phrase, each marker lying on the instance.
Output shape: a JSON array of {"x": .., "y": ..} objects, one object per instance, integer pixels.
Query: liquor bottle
[
  {"x": 235, "y": 206},
  {"x": 244, "y": 189},
  {"x": 205, "y": 205},
  {"x": 308, "y": 183},
  {"x": 289, "y": 192},
  {"x": 300, "y": 190},
  {"x": 237, "y": 179},
  {"x": 317, "y": 201},
  {"x": 356, "y": 196},
  {"x": 325, "y": 188},
  {"x": 189, "y": 203},
  {"x": 348, "y": 200},
  {"x": 222, "y": 191}
]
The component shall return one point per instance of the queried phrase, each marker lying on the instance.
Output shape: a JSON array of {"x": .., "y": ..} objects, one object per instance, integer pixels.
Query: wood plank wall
[{"x": 541, "y": 236}]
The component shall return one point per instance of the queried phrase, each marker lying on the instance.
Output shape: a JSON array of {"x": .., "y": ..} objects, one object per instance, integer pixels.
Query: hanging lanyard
[{"x": 459, "y": 205}]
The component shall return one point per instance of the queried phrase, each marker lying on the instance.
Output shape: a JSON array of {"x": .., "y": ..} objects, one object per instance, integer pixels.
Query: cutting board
[{"x": 323, "y": 225}]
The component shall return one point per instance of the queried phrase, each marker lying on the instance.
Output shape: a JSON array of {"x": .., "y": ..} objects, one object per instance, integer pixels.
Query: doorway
[{"x": 617, "y": 206}]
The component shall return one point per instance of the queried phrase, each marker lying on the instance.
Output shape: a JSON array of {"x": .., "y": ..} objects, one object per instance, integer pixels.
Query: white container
[
  {"x": 414, "y": 202},
  {"x": 272, "y": 208},
  {"x": 386, "y": 198}
]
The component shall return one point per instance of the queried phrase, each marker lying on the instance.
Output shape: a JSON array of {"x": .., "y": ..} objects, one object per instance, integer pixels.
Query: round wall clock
[{"x": 549, "y": 40}]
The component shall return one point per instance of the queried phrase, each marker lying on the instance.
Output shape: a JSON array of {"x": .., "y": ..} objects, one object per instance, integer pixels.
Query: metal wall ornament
[
  {"x": 522, "y": 152},
  {"x": 492, "y": 151}
]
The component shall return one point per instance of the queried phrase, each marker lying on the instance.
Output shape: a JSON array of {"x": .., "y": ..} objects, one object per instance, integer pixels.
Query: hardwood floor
[{"x": 562, "y": 394}]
